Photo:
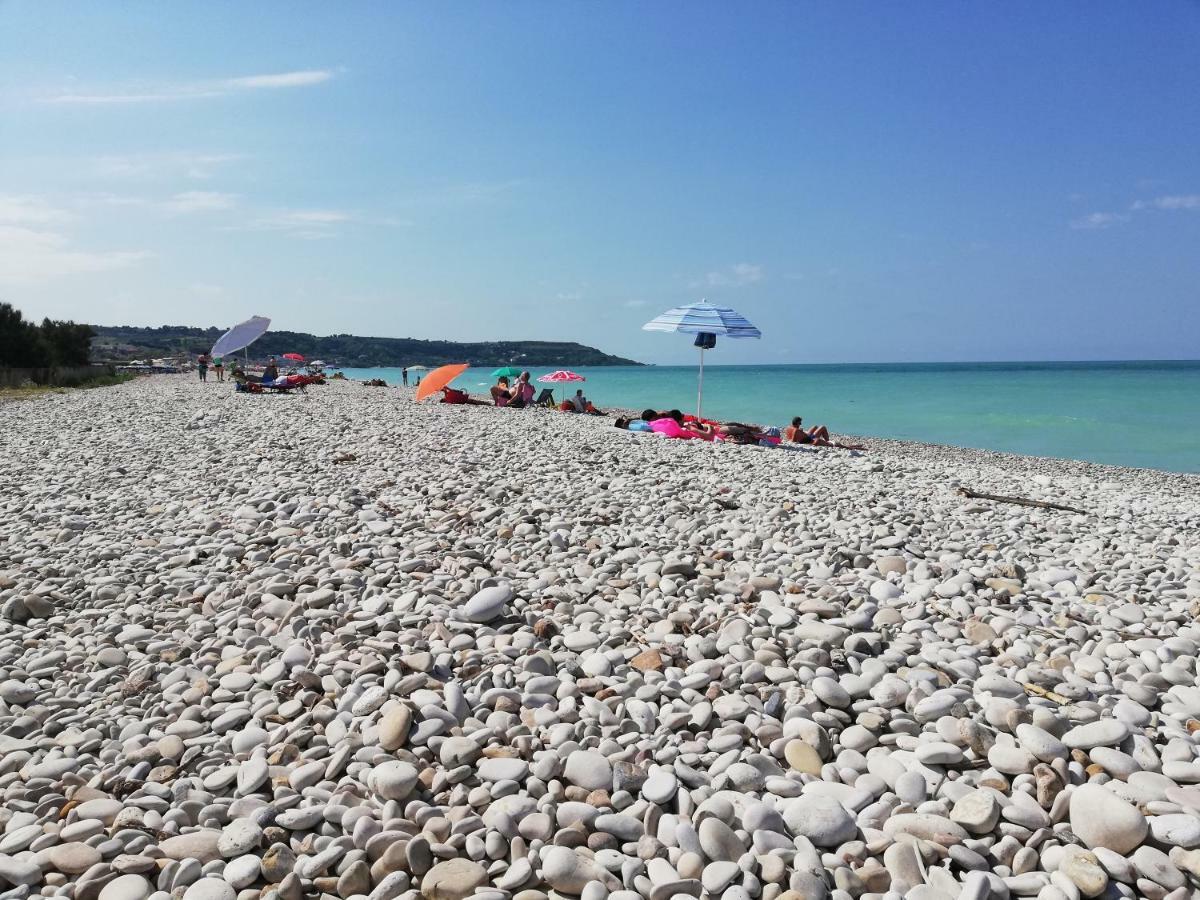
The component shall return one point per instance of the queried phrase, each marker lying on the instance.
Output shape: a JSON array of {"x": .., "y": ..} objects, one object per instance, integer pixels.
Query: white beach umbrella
[
  {"x": 706, "y": 321},
  {"x": 241, "y": 336}
]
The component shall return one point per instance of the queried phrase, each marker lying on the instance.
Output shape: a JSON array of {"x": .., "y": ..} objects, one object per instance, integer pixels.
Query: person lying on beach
[
  {"x": 501, "y": 395},
  {"x": 455, "y": 396},
  {"x": 818, "y": 436},
  {"x": 628, "y": 424}
]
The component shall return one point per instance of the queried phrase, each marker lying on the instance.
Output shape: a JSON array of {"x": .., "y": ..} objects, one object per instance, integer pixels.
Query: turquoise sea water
[{"x": 1124, "y": 413}]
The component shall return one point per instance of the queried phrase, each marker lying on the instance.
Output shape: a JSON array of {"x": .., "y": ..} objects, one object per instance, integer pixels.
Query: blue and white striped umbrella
[
  {"x": 704, "y": 318},
  {"x": 708, "y": 321}
]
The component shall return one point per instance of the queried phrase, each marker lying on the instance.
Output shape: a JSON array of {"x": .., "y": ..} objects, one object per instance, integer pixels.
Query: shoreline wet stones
[{"x": 344, "y": 646}]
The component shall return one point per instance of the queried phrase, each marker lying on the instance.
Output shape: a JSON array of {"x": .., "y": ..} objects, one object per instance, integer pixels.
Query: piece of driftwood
[
  {"x": 1040, "y": 504},
  {"x": 1038, "y": 691}
]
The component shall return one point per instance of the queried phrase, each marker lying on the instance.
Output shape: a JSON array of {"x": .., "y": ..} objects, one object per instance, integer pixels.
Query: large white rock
[{"x": 1100, "y": 818}]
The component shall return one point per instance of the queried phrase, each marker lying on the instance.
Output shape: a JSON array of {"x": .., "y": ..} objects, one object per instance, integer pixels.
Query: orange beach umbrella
[{"x": 439, "y": 378}]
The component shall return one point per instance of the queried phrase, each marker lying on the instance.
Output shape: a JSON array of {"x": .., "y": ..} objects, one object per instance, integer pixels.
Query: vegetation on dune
[
  {"x": 24, "y": 345},
  {"x": 125, "y": 342}
]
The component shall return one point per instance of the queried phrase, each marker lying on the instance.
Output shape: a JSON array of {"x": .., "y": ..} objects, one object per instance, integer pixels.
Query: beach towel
[{"x": 672, "y": 429}]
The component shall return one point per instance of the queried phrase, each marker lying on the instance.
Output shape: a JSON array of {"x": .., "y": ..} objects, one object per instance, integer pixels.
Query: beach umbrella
[
  {"x": 706, "y": 321},
  {"x": 295, "y": 357},
  {"x": 241, "y": 336},
  {"x": 317, "y": 363},
  {"x": 417, "y": 368},
  {"x": 562, "y": 376},
  {"x": 507, "y": 372},
  {"x": 439, "y": 378}
]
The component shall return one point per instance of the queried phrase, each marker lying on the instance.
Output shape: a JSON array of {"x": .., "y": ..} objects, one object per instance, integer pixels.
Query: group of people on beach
[
  {"x": 670, "y": 423},
  {"x": 520, "y": 395},
  {"x": 675, "y": 424},
  {"x": 204, "y": 362}
]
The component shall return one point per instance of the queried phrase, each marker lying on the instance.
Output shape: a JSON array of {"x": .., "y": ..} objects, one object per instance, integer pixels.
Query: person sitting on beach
[
  {"x": 818, "y": 436},
  {"x": 501, "y": 395},
  {"x": 798, "y": 434},
  {"x": 582, "y": 404},
  {"x": 270, "y": 370},
  {"x": 522, "y": 392}
]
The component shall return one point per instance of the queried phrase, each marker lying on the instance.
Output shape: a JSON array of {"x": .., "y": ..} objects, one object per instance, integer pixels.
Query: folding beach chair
[{"x": 545, "y": 398}]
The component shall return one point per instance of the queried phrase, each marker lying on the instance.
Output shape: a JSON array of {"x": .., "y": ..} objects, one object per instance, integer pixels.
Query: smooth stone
[
  {"x": 821, "y": 819},
  {"x": 393, "y": 780},
  {"x": 487, "y": 604},
  {"x": 200, "y": 845},
  {"x": 209, "y": 889},
  {"x": 1101, "y": 733},
  {"x": 589, "y": 770},
  {"x": 803, "y": 757},
  {"x": 1083, "y": 868},
  {"x": 568, "y": 871},
  {"x": 1176, "y": 830},
  {"x": 126, "y": 887},
  {"x": 1102, "y": 819},
  {"x": 453, "y": 879}
]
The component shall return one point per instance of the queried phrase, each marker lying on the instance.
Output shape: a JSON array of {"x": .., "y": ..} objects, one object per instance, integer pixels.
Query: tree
[
  {"x": 21, "y": 342},
  {"x": 25, "y": 345},
  {"x": 69, "y": 344}
]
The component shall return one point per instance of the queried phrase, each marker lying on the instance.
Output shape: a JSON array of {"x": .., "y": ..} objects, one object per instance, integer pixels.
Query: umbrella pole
[{"x": 700, "y": 385}]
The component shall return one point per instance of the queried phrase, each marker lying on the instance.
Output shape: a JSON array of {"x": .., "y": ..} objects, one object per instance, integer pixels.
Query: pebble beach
[{"x": 342, "y": 645}]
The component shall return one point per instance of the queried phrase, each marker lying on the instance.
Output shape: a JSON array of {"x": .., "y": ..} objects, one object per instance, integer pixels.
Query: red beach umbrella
[
  {"x": 561, "y": 376},
  {"x": 295, "y": 357}
]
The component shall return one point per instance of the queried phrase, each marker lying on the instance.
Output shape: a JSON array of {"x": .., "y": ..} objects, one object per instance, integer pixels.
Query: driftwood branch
[
  {"x": 1021, "y": 501},
  {"x": 1038, "y": 691}
]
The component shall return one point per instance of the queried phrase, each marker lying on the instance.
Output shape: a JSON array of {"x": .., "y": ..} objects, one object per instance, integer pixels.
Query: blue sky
[{"x": 865, "y": 182}]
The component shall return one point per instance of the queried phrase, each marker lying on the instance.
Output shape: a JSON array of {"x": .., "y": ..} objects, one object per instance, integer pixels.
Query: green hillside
[{"x": 125, "y": 342}]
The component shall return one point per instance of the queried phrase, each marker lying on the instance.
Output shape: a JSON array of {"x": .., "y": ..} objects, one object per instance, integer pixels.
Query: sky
[{"x": 866, "y": 182}]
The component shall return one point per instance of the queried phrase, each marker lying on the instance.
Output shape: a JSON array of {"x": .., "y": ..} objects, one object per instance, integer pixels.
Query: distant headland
[{"x": 117, "y": 343}]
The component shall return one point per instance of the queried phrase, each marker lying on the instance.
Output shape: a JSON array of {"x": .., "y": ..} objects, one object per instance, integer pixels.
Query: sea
[{"x": 1143, "y": 414}]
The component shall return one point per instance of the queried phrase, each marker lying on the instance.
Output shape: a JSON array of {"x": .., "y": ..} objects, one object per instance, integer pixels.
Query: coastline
[
  {"x": 1136, "y": 415},
  {"x": 541, "y": 656}
]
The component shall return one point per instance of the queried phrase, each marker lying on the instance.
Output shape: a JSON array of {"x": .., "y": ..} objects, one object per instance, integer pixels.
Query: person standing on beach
[
  {"x": 219, "y": 368},
  {"x": 404, "y": 376},
  {"x": 202, "y": 366}
]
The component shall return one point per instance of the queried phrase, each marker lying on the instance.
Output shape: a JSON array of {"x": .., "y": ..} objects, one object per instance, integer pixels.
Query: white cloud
[
  {"x": 1097, "y": 220},
  {"x": 309, "y": 224},
  {"x": 29, "y": 210},
  {"x": 283, "y": 80},
  {"x": 29, "y": 256},
  {"x": 313, "y": 224},
  {"x": 569, "y": 295},
  {"x": 201, "y": 201},
  {"x": 185, "y": 164},
  {"x": 195, "y": 90},
  {"x": 737, "y": 275},
  {"x": 1177, "y": 201}
]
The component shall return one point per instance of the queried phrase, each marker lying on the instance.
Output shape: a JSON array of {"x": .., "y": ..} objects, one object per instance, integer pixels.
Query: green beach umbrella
[{"x": 507, "y": 372}]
